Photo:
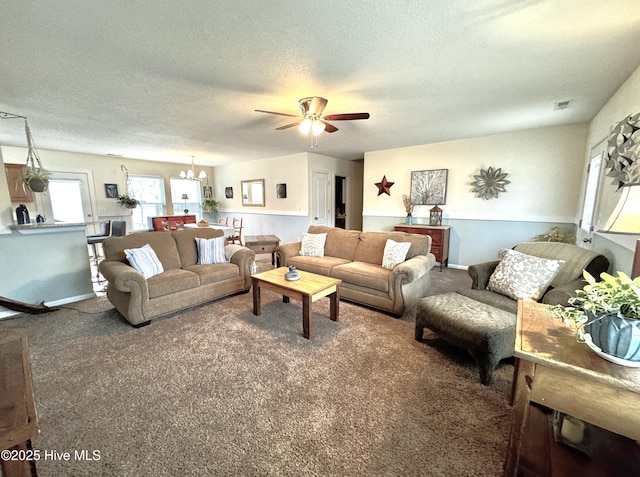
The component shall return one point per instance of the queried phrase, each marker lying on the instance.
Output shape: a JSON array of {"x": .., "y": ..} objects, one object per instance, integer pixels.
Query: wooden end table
[
  {"x": 555, "y": 370},
  {"x": 309, "y": 288},
  {"x": 263, "y": 244}
]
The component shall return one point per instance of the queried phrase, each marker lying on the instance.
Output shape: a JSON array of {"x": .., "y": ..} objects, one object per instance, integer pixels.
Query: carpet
[{"x": 217, "y": 391}]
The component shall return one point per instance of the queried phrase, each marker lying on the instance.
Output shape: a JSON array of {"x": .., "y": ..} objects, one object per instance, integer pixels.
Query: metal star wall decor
[
  {"x": 623, "y": 151},
  {"x": 384, "y": 185},
  {"x": 488, "y": 183}
]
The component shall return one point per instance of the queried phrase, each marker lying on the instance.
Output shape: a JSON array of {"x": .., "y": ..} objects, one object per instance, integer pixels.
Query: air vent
[{"x": 560, "y": 105}]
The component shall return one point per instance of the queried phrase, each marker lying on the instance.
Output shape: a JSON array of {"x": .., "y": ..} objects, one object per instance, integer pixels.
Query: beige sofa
[
  {"x": 182, "y": 284},
  {"x": 356, "y": 258}
]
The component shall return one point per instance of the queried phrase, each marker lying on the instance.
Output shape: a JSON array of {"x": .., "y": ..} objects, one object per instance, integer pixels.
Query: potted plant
[
  {"x": 609, "y": 312},
  {"x": 127, "y": 201},
  {"x": 36, "y": 178},
  {"x": 408, "y": 207},
  {"x": 211, "y": 206}
]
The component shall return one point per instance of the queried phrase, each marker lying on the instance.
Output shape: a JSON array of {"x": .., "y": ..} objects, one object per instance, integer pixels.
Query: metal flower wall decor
[
  {"x": 623, "y": 153},
  {"x": 489, "y": 183}
]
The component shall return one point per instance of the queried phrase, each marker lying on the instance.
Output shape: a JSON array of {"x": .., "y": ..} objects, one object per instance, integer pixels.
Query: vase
[
  {"x": 409, "y": 220},
  {"x": 615, "y": 335}
]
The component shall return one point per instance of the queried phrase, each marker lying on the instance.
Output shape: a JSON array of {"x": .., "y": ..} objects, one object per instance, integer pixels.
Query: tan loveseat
[
  {"x": 356, "y": 258},
  {"x": 182, "y": 284}
]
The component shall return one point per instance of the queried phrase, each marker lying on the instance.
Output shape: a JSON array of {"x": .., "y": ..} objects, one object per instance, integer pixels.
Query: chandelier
[{"x": 190, "y": 175}]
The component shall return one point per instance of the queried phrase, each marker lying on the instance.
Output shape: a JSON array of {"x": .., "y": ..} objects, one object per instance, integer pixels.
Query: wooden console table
[
  {"x": 439, "y": 239},
  {"x": 263, "y": 244},
  {"x": 555, "y": 370},
  {"x": 18, "y": 421}
]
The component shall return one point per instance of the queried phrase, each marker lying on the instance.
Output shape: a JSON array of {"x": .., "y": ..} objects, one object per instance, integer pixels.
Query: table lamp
[
  {"x": 185, "y": 197},
  {"x": 625, "y": 219}
]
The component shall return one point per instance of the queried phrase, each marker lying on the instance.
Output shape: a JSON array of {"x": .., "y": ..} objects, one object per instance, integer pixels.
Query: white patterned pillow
[
  {"x": 144, "y": 260},
  {"x": 313, "y": 245},
  {"x": 211, "y": 250},
  {"x": 522, "y": 276},
  {"x": 394, "y": 253}
]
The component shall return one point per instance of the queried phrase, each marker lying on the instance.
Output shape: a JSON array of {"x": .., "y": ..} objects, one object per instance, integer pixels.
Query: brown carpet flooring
[{"x": 217, "y": 391}]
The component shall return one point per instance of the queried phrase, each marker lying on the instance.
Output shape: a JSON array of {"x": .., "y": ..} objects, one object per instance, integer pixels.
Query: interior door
[
  {"x": 320, "y": 198},
  {"x": 594, "y": 172}
]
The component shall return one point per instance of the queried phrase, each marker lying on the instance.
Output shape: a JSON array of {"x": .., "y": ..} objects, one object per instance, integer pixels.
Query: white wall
[
  {"x": 544, "y": 167},
  {"x": 625, "y": 102},
  {"x": 287, "y": 218}
]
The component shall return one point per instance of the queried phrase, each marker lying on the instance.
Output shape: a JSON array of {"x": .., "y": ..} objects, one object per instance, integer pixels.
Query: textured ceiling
[{"x": 168, "y": 79}]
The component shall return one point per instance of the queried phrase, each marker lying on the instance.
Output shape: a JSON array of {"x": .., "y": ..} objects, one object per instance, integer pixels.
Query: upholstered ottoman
[{"x": 487, "y": 333}]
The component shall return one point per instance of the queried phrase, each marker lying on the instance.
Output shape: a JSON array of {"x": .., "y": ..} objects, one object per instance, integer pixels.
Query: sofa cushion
[
  {"x": 576, "y": 259},
  {"x": 313, "y": 245},
  {"x": 172, "y": 281},
  {"x": 319, "y": 265},
  {"x": 394, "y": 253},
  {"x": 364, "y": 274},
  {"x": 214, "y": 273},
  {"x": 145, "y": 260},
  {"x": 162, "y": 243},
  {"x": 186, "y": 244},
  {"x": 340, "y": 243},
  {"x": 211, "y": 250},
  {"x": 522, "y": 276}
]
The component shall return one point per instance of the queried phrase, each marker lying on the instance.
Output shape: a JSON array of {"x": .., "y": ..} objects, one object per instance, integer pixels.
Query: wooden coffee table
[{"x": 309, "y": 288}]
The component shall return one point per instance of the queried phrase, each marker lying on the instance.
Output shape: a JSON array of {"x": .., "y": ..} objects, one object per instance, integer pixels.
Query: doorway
[{"x": 341, "y": 202}]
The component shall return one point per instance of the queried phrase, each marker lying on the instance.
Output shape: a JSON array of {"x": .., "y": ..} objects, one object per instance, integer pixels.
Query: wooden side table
[
  {"x": 555, "y": 370},
  {"x": 439, "y": 239},
  {"x": 18, "y": 420},
  {"x": 263, "y": 244}
]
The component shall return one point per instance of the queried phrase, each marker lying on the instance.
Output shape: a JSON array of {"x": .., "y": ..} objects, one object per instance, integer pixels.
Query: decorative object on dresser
[
  {"x": 439, "y": 239},
  {"x": 408, "y": 207},
  {"x": 263, "y": 244},
  {"x": 185, "y": 198},
  {"x": 489, "y": 183},
  {"x": 429, "y": 187},
  {"x": 384, "y": 186},
  {"x": 435, "y": 215}
]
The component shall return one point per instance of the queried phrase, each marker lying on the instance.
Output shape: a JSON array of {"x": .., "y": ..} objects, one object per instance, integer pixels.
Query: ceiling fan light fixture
[
  {"x": 305, "y": 126},
  {"x": 318, "y": 127}
]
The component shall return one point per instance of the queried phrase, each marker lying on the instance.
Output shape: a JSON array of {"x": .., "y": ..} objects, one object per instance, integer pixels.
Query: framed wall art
[
  {"x": 281, "y": 191},
  {"x": 207, "y": 192},
  {"x": 429, "y": 187},
  {"x": 111, "y": 191}
]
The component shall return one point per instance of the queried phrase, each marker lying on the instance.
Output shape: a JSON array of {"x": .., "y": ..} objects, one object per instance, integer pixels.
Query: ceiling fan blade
[
  {"x": 346, "y": 117},
  {"x": 287, "y": 126},
  {"x": 317, "y": 105},
  {"x": 279, "y": 114},
  {"x": 329, "y": 127}
]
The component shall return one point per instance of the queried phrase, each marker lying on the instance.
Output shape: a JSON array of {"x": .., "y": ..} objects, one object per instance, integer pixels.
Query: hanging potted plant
[
  {"x": 607, "y": 314},
  {"x": 34, "y": 176},
  {"x": 211, "y": 206},
  {"x": 125, "y": 200}
]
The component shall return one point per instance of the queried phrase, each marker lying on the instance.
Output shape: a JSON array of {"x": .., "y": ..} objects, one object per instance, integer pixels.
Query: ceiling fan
[{"x": 312, "y": 120}]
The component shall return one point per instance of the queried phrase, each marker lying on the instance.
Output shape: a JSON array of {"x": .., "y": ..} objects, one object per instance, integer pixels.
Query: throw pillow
[
  {"x": 144, "y": 260},
  {"x": 313, "y": 245},
  {"x": 394, "y": 253},
  {"x": 522, "y": 276},
  {"x": 211, "y": 250}
]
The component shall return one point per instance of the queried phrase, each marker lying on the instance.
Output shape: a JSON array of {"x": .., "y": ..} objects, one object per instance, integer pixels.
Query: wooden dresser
[
  {"x": 439, "y": 239},
  {"x": 170, "y": 222}
]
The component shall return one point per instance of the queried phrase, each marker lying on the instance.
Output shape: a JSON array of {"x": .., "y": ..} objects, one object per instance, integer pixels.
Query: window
[
  {"x": 194, "y": 202},
  {"x": 149, "y": 190}
]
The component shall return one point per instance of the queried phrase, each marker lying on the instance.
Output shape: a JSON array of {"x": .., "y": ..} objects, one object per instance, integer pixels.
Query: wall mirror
[{"x": 253, "y": 193}]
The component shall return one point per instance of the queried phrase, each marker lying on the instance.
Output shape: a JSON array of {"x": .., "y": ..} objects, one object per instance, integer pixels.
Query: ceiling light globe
[
  {"x": 318, "y": 127},
  {"x": 305, "y": 126}
]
